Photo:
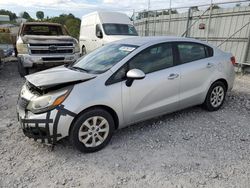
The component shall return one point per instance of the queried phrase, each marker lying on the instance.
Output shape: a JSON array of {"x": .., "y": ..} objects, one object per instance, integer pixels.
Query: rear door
[{"x": 196, "y": 71}]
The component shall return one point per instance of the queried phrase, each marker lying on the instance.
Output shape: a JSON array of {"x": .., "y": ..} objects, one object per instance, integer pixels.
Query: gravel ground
[{"x": 190, "y": 148}]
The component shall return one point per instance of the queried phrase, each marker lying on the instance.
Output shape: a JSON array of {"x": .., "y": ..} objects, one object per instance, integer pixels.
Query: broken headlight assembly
[{"x": 48, "y": 101}]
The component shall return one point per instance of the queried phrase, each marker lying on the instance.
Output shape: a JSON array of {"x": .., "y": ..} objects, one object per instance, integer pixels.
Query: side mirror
[
  {"x": 134, "y": 74},
  {"x": 99, "y": 34}
]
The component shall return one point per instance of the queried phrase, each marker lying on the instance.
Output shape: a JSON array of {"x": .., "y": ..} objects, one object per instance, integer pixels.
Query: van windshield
[
  {"x": 119, "y": 29},
  {"x": 103, "y": 58}
]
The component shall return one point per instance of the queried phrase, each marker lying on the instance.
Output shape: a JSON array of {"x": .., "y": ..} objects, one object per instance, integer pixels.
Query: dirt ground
[{"x": 186, "y": 149}]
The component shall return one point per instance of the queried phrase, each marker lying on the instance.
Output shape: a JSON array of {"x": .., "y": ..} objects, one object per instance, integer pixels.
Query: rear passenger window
[{"x": 193, "y": 51}]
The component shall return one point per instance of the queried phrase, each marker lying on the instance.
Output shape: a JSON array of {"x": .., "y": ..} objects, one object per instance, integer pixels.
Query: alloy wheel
[
  {"x": 217, "y": 96},
  {"x": 93, "y": 131}
]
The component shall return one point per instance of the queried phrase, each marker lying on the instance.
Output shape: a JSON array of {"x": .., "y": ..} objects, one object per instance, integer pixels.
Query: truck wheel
[
  {"x": 1, "y": 63},
  {"x": 92, "y": 130},
  {"x": 21, "y": 69}
]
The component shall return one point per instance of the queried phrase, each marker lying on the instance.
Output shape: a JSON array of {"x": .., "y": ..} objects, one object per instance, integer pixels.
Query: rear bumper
[{"x": 47, "y": 60}]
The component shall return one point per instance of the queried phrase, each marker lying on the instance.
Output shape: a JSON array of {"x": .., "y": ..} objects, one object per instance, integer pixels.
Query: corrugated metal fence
[{"x": 227, "y": 27}]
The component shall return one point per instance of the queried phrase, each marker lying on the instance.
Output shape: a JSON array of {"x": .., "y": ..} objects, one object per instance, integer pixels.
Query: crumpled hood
[
  {"x": 46, "y": 39},
  {"x": 57, "y": 76}
]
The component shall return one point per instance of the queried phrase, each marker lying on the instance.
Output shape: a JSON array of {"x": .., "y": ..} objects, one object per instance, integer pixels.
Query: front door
[{"x": 158, "y": 92}]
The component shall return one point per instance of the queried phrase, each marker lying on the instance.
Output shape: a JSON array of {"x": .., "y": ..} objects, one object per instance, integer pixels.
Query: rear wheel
[
  {"x": 215, "y": 96},
  {"x": 92, "y": 131}
]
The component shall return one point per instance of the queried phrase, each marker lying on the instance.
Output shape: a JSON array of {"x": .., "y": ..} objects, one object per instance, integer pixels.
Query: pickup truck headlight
[
  {"x": 47, "y": 102},
  {"x": 21, "y": 47},
  {"x": 77, "y": 48}
]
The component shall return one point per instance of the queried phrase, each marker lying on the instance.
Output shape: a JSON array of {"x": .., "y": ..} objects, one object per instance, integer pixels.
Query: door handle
[
  {"x": 173, "y": 76},
  {"x": 209, "y": 65}
]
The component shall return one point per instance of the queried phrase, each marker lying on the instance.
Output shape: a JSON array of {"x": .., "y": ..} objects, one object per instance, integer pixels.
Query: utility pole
[
  {"x": 209, "y": 19},
  {"x": 148, "y": 5},
  {"x": 170, "y": 11}
]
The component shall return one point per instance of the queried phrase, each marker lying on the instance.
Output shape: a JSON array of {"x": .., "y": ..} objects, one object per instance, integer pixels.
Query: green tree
[
  {"x": 70, "y": 21},
  {"x": 147, "y": 14},
  {"x": 73, "y": 26},
  {"x": 40, "y": 15},
  {"x": 25, "y": 15},
  {"x": 9, "y": 13}
]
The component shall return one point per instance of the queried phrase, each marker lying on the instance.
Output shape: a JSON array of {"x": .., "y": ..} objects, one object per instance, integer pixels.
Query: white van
[{"x": 99, "y": 28}]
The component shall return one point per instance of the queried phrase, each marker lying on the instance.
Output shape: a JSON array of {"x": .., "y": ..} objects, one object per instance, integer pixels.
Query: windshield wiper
[{"x": 78, "y": 68}]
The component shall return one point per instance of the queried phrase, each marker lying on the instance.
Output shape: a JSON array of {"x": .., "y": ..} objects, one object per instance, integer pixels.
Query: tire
[
  {"x": 215, "y": 96},
  {"x": 83, "y": 51},
  {"x": 1, "y": 65},
  {"x": 21, "y": 69},
  {"x": 85, "y": 134}
]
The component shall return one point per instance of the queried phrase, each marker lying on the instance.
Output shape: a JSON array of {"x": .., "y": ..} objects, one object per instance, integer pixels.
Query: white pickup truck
[{"x": 44, "y": 44}]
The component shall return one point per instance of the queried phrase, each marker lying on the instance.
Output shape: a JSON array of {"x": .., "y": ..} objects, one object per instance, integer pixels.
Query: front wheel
[
  {"x": 215, "y": 96},
  {"x": 23, "y": 71},
  {"x": 92, "y": 131},
  {"x": 84, "y": 52}
]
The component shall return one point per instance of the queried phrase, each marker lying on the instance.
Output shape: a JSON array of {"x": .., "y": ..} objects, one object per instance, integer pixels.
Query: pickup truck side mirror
[{"x": 134, "y": 74}]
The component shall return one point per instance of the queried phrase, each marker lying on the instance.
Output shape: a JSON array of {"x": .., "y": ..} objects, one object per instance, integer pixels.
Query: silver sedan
[{"x": 120, "y": 84}]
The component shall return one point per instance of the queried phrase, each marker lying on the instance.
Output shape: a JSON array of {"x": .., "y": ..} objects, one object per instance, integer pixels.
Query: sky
[{"x": 82, "y": 7}]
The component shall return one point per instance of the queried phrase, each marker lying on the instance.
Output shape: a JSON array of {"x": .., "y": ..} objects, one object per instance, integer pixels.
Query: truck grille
[
  {"x": 51, "y": 44},
  {"x": 49, "y": 48},
  {"x": 67, "y": 51}
]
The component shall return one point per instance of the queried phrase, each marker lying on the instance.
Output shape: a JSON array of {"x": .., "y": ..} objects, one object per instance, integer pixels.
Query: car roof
[{"x": 140, "y": 41}]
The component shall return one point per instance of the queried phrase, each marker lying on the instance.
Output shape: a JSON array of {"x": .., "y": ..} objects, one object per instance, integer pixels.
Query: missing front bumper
[{"x": 44, "y": 130}]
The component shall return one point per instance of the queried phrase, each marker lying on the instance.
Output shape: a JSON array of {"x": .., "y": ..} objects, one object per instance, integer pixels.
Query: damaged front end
[
  {"x": 40, "y": 107},
  {"x": 39, "y": 112}
]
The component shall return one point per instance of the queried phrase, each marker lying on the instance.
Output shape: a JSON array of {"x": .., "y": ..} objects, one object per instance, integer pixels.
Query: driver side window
[{"x": 153, "y": 59}]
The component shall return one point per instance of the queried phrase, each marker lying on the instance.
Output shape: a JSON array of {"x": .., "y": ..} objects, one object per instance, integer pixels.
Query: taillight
[{"x": 233, "y": 61}]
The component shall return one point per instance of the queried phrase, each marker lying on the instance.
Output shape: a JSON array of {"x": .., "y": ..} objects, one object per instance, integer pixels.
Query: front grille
[
  {"x": 33, "y": 89},
  {"x": 51, "y": 44},
  {"x": 23, "y": 103},
  {"x": 50, "y": 48},
  {"x": 66, "y": 51}
]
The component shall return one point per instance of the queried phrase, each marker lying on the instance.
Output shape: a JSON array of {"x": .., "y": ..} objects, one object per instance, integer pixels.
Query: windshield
[
  {"x": 103, "y": 58},
  {"x": 49, "y": 30},
  {"x": 119, "y": 29}
]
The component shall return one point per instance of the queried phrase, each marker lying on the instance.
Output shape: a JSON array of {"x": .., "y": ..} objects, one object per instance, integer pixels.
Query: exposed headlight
[
  {"x": 48, "y": 102},
  {"x": 21, "y": 47}
]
